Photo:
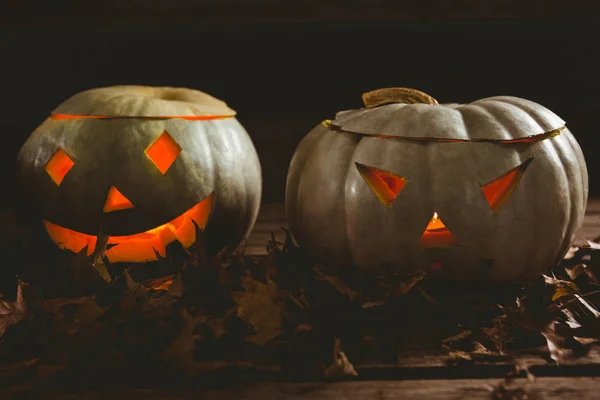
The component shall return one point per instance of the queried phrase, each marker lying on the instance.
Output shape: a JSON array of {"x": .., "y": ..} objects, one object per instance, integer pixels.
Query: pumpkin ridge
[
  {"x": 533, "y": 114},
  {"x": 573, "y": 208},
  {"x": 351, "y": 165}
]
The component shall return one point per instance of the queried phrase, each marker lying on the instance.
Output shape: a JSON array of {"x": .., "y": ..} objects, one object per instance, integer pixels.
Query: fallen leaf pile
[{"x": 77, "y": 317}]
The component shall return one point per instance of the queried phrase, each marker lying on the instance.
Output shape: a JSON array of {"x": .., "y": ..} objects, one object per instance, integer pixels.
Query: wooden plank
[
  {"x": 36, "y": 13},
  {"x": 541, "y": 388}
]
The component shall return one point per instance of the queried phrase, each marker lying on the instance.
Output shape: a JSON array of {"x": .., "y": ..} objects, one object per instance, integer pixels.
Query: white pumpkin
[
  {"x": 494, "y": 190},
  {"x": 141, "y": 163}
]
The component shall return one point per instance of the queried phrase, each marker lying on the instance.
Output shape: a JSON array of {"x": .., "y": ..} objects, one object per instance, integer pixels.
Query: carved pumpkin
[
  {"x": 142, "y": 164},
  {"x": 494, "y": 189}
]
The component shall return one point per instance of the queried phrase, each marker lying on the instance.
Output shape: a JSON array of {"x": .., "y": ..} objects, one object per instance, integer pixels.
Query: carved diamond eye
[
  {"x": 163, "y": 152},
  {"x": 386, "y": 185},
  {"x": 498, "y": 191},
  {"x": 58, "y": 166}
]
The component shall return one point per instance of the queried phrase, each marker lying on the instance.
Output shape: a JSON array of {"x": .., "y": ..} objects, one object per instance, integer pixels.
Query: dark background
[{"x": 286, "y": 66}]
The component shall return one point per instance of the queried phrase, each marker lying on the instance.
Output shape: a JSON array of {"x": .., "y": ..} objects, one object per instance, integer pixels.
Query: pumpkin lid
[
  {"x": 410, "y": 114},
  {"x": 143, "y": 101}
]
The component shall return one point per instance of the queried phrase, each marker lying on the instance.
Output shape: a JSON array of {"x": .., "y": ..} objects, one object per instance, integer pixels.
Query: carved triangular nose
[
  {"x": 436, "y": 234},
  {"x": 116, "y": 201}
]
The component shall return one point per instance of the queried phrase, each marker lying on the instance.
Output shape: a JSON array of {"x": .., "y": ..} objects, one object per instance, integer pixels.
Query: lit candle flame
[
  {"x": 435, "y": 223},
  {"x": 436, "y": 234}
]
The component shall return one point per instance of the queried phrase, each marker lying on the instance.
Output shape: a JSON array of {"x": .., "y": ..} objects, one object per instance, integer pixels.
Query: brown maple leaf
[
  {"x": 341, "y": 367},
  {"x": 12, "y": 312},
  {"x": 259, "y": 306}
]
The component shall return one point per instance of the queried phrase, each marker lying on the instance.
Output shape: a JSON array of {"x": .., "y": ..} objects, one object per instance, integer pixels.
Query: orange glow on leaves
[
  {"x": 139, "y": 247},
  {"x": 498, "y": 191},
  {"x": 185, "y": 117},
  {"x": 115, "y": 201},
  {"x": 163, "y": 283},
  {"x": 436, "y": 234},
  {"x": 384, "y": 184},
  {"x": 163, "y": 152},
  {"x": 58, "y": 166}
]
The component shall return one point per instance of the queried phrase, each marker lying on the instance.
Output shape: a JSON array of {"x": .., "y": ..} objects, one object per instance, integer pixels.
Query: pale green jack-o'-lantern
[
  {"x": 144, "y": 165},
  {"x": 495, "y": 189}
]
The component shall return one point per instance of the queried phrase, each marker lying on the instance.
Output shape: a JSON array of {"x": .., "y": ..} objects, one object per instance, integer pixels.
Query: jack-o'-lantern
[
  {"x": 492, "y": 190},
  {"x": 144, "y": 165}
]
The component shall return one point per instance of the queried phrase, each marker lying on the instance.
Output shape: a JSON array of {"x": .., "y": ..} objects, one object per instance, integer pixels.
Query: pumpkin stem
[{"x": 379, "y": 97}]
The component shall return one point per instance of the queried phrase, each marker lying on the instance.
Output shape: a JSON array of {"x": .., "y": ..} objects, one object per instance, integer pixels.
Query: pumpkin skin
[
  {"x": 447, "y": 155},
  {"x": 107, "y": 133}
]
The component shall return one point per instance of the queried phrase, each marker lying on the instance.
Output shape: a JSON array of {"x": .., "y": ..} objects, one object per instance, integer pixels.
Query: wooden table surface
[{"x": 554, "y": 388}]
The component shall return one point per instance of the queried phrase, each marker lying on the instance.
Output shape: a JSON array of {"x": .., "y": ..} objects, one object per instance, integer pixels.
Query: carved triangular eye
[
  {"x": 498, "y": 191},
  {"x": 386, "y": 185}
]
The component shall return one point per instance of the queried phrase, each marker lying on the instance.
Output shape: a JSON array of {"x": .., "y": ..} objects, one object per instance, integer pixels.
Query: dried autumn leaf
[
  {"x": 80, "y": 267},
  {"x": 414, "y": 279},
  {"x": 370, "y": 304},
  {"x": 576, "y": 270},
  {"x": 12, "y": 312},
  {"x": 184, "y": 344},
  {"x": 478, "y": 353},
  {"x": 560, "y": 292},
  {"x": 176, "y": 289},
  {"x": 341, "y": 366},
  {"x": 181, "y": 352},
  {"x": 162, "y": 283},
  {"x": 459, "y": 337},
  {"x": 592, "y": 245},
  {"x": 100, "y": 266},
  {"x": 555, "y": 343},
  {"x": 260, "y": 307},
  {"x": 135, "y": 294},
  {"x": 561, "y": 287},
  {"x": 101, "y": 244},
  {"x": 198, "y": 248},
  {"x": 559, "y": 283},
  {"x": 83, "y": 311},
  {"x": 89, "y": 311},
  {"x": 497, "y": 334},
  {"x": 335, "y": 282},
  {"x": 99, "y": 258},
  {"x": 571, "y": 253}
]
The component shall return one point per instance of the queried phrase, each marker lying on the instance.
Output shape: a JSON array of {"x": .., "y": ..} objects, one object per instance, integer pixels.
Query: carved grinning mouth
[{"x": 139, "y": 247}]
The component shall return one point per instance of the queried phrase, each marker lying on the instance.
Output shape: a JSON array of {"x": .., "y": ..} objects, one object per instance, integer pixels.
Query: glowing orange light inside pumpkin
[
  {"x": 384, "y": 184},
  {"x": 436, "y": 234},
  {"x": 58, "y": 166},
  {"x": 163, "y": 152},
  {"x": 185, "y": 117},
  {"x": 116, "y": 201},
  {"x": 138, "y": 247},
  {"x": 498, "y": 191}
]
